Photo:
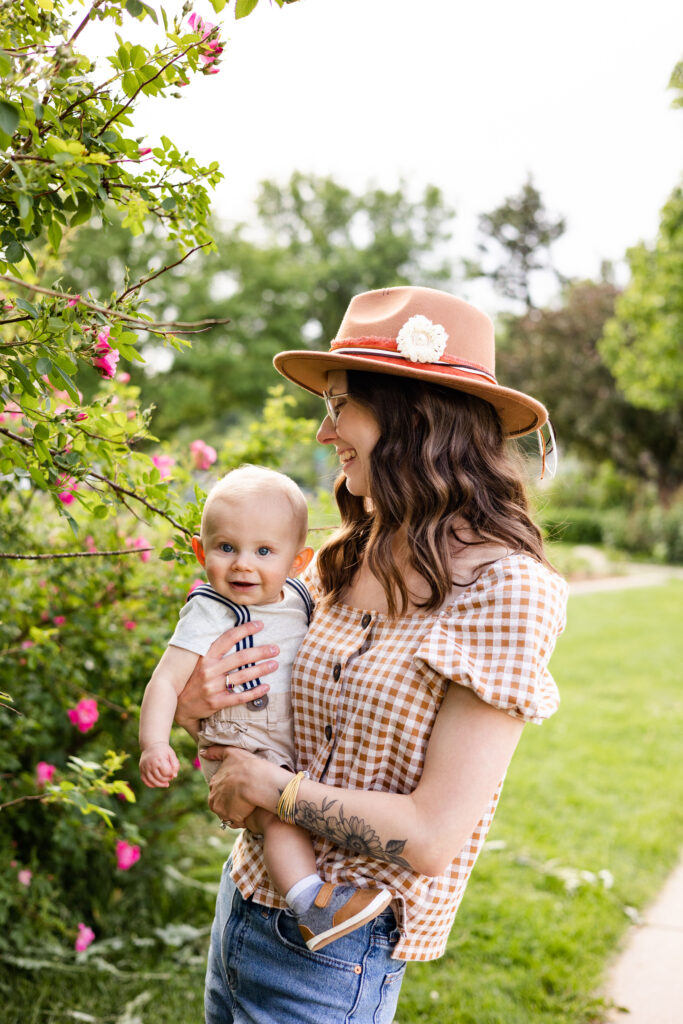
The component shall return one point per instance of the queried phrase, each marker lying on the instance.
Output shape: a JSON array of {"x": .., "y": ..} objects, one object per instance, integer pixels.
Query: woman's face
[{"x": 354, "y": 435}]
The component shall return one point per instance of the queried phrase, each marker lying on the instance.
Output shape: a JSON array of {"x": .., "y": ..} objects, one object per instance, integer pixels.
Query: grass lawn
[{"x": 590, "y": 823}]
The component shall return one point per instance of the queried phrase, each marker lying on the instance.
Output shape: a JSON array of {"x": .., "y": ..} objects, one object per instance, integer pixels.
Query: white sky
[{"x": 467, "y": 96}]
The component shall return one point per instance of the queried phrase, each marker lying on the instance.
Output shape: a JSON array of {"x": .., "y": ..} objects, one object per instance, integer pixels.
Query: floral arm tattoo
[{"x": 353, "y": 833}]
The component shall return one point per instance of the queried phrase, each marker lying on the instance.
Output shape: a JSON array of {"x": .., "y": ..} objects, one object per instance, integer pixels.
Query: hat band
[{"x": 385, "y": 348}]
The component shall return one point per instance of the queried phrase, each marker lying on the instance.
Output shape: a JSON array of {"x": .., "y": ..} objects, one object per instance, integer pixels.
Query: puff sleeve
[{"x": 496, "y": 638}]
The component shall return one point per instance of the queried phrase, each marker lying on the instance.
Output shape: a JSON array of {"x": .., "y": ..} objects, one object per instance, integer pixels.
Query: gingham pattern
[{"x": 495, "y": 637}]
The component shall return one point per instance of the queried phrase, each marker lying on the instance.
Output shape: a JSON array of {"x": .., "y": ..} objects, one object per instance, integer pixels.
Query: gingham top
[{"x": 366, "y": 690}]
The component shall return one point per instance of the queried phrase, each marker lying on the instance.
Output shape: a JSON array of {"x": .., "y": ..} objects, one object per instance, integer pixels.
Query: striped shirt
[{"x": 366, "y": 690}]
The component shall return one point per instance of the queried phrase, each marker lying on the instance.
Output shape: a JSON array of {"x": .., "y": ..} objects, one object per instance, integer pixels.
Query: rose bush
[{"x": 88, "y": 841}]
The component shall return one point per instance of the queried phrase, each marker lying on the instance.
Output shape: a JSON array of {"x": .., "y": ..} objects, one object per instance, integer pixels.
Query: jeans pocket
[
  {"x": 349, "y": 949},
  {"x": 388, "y": 1000}
]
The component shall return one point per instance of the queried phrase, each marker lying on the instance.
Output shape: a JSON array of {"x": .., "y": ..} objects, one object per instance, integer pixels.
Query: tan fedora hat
[{"x": 421, "y": 333}]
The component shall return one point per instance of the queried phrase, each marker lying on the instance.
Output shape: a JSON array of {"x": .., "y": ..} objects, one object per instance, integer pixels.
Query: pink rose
[
  {"x": 85, "y": 937},
  {"x": 130, "y": 624},
  {"x": 196, "y": 763},
  {"x": 145, "y": 151},
  {"x": 25, "y": 876},
  {"x": 74, "y": 301},
  {"x": 44, "y": 772},
  {"x": 84, "y": 715},
  {"x": 203, "y": 454},
  {"x": 127, "y": 854},
  {"x": 123, "y": 377},
  {"x": 106, "y": 364},
  {"x": 59, "y": 620},
  {"x": 103, "y": 345},
  {"x": 67, "y": 487},
  {"x": 163, "y": 463}
]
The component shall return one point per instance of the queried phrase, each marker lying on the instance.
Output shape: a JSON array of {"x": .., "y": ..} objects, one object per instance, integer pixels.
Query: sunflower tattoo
[{"x": 352, "y": 833}]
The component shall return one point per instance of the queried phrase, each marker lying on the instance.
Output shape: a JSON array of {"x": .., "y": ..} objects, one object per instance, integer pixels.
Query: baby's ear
[
  {"x": 198, "y": 550},
  {"x": 302, "y": 559}
]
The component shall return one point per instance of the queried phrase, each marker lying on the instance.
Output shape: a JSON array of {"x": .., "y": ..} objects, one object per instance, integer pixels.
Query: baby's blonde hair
[{"x": 258, "y": 481}]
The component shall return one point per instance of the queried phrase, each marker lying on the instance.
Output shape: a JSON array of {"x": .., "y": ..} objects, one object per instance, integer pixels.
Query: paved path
[
  {"x": 646, "y": 982},
  {"x": 634, "y": 576}
]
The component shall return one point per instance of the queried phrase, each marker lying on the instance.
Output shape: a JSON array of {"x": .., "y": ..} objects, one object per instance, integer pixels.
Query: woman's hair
[{"x": 441, "y": 458}]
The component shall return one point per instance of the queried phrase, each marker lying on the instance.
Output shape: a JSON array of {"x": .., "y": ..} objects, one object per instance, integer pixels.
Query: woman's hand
[
  {"x": 206, "y": 690},
  {"x": 242, "y": 782}
]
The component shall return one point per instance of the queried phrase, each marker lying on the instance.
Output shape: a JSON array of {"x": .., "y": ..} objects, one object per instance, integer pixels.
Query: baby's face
[{"x": 250, "y": 543}]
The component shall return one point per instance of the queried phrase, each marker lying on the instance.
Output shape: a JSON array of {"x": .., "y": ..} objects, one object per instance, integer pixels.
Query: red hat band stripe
[{"x": 385, "y": 348}]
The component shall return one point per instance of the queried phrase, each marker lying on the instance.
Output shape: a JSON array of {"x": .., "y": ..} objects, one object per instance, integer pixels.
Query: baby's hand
[{"x": 158, "y": 765}]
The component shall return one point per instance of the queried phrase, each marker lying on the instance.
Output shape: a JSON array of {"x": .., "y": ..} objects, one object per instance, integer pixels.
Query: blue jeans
[{"x": 261, "y": 972}]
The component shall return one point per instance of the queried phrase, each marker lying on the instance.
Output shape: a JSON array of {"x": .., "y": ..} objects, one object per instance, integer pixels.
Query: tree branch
[
  {"x": 163, "y": 270},
  {"x": 73, "y": 554},
  {"x": 105, "y": 479},
  {"x": 146, "y": 325},
  {"x": 161, "y": 70}
]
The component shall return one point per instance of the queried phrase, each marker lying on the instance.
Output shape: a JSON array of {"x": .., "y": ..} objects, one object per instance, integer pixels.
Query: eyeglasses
[{"x": 332, "y": 410}]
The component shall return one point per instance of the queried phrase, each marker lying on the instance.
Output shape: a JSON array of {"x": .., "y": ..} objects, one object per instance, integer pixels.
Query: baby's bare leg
[{"x": 287, "y": 851}]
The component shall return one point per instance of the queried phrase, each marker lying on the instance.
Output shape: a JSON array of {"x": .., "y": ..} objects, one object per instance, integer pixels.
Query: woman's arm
[
  {"x": 206, "y": 691},
  {"x": 468, "y": 754}
]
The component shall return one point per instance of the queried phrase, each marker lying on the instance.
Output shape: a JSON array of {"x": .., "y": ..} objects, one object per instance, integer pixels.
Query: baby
[{"x": 252, "y": 544}]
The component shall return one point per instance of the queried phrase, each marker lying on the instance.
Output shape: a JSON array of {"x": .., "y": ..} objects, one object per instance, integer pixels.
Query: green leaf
[
  {"x": 152, "y": 13},
  {"x": 5, "y": 65},
  {"x": 134, "y": 8},
  {"x": 27, "y": 306},
  {"x": 38, "y": 110},
  {"x": 25, "y": 205},
  {"x": 44, "y": 365},
  {"x": 169, "y": 204},
  {"x": 14, "y": 253},
  {"x": 41, "y": 431},
  {"x": 68, "y": 384},
  {"x": 83, "y": 212},
  {"x": 41, "y": 450},
  {"x": 244, "y": 7},
  {"x": 137, "y": 56},
  {"x": 54, "y": 234},
  {"x": 167, "y": 555},
  {"x": 9, "y": 117},
  {"x": 129, "y": 83}
]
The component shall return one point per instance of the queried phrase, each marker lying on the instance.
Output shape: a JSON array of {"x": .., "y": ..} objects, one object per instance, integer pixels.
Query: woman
[{"x": 436, "y": 614}]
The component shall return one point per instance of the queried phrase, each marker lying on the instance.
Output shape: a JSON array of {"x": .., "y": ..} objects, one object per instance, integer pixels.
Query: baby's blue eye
[
  {"x": 226, "y": 547},
  {"x": 264, "y": 551}
]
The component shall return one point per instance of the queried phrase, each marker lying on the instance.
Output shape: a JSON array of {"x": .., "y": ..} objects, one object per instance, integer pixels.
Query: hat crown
[{"x": 383, "y": 313}]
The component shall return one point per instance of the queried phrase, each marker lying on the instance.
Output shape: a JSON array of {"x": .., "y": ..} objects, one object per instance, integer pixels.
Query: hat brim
[{"x": 519, "y": 413}]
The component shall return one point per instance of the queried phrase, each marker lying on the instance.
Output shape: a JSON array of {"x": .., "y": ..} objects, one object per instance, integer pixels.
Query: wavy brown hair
[{"x": 441, "y": 458}]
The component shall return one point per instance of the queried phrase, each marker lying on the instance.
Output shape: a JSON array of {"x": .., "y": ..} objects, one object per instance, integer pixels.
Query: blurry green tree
[
  {"x": 515, "y": 244},
  {"x": 314, "y": 244},
  {"x": 554, "y": 353},
  {"x": 643, "y": 342}
]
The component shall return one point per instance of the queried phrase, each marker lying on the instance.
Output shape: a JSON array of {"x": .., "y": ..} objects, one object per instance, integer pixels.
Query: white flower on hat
[{"x": 421, "y": 341}]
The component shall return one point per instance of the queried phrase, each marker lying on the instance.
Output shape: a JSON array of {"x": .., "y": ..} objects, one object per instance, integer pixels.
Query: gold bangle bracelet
[{"x": 286, "y": 805}]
